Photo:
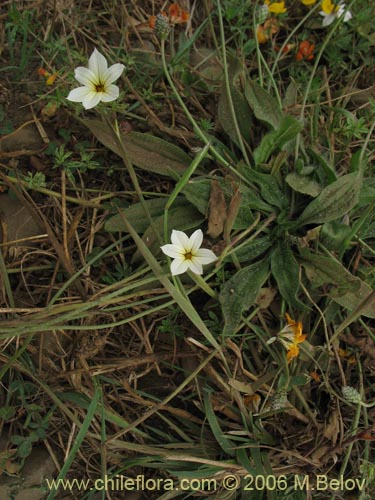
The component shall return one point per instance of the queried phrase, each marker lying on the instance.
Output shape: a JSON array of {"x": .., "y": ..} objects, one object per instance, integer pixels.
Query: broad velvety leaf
[
  {"x": 269, "y": 188},
  {"x": 251, "y": 250},
  {"x": 285, "y": 270},
  {"x": 135, "y": 214},
  {"x": 240, "y": 293},
  {"x": 264, "y": 106},
  {"x": 334, "y": 201},
  {"x": 197, "y": 191},
  {"x": 242, "y": 111},
  {"x": 303, "y": 184},
  {"x": 144, "y": 150},
  {"x": 347, "y": 290}
]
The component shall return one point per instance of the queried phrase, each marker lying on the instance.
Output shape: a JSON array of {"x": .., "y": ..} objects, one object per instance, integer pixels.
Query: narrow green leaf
[
  {"x": 226, "y": 444},
  {"x": 240, "y": 293},
  {"x": 334, "y": 201},
  {"x": 285, "y": 270},
  {"x": 264, "y": 106},
  {"x": 78, "y": 439}
]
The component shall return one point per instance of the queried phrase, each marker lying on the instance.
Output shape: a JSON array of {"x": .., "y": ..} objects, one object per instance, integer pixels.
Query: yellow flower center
[
  {"x": 99, "y": 87},
  {"x": 188, "y": 256}
]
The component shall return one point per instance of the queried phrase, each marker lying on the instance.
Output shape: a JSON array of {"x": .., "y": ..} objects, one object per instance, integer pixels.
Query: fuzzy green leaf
[
  {"x": 240, "y": 293},
  {"x": 264, "y": 106},
  {"x": 137, "y": 217},
  {"x": 251, "y": 250},
  {"x": 242, "y": 111},
  {"x": 303, "y": 184},
  {"x": 347, "y": 290},
  {"x": 285, "y": 270},
  {"x": 144, "y": 150},
  {"x": 334, "y": 201}
]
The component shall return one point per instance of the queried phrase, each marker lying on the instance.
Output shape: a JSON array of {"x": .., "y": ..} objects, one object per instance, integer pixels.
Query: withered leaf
[{"x": 217, "y": 210}]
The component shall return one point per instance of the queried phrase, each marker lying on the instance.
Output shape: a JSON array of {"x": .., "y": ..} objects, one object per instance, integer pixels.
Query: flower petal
[
  {"x": 348, "y": 16},
  {"x": 180, "y": 239},
  {"x": 111, "y": 93},
  {"x": 205, "y": 256},
  {"x": 79, "y": 94},
  {"x": 196, "y": 240},
  {"x": 98, "y": 64},
  {"x": 195, "y": 265},
  {"x": 92, "y": 99},
  {"x": 113, "y": 73},
  {"x": 172, "y": 251},
  {"x": 179, "y": 266},
  {"x": 86, "y": 77}
]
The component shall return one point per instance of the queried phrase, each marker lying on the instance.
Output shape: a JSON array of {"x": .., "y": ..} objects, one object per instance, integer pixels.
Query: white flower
[
  {"x": 331, "y": 12},
  {"x": 186, "y": 252},
  {"x": 97, "y": 81}
]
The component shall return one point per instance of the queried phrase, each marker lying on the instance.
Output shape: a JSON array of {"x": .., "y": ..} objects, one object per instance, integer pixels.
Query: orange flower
[
  {"x": 50, "y": 78},
  {"x": 266, "y": 30},
  {"x": 305, "y": 51},
  {"x": 290, "y": 336},
  {"x": 175, "y": 15}
]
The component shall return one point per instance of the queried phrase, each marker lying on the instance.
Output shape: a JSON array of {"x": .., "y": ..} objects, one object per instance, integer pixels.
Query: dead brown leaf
[
  {"x": 332, "y": 429},
  {"x": 217, "y": 210}
]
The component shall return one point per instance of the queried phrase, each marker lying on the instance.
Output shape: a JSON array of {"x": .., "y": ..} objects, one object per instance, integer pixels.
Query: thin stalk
[{"x": 227, "y": 86}]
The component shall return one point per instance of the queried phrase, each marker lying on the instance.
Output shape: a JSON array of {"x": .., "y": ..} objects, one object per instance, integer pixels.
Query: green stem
[
  {"x": 128, "y": 164},
  {"x": 203, "y": 285}
]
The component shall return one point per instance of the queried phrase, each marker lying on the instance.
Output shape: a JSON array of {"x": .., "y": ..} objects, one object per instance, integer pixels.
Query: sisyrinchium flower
[
  {"x": 331, "y": 12},
  {"x": 275, "y": 7},
  {"x": 186, "y": 252},
  {"x": 308, "y": 2},
  {"x": 97, "y": 81},
  {"x": 290, "y": 336}
]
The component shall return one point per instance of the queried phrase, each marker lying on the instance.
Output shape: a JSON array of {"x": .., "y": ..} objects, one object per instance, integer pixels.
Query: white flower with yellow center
[
  {"x": 186, "y": 252},
  {"x": 331, "y": 12},
  {"x": 97, "y": 81}
]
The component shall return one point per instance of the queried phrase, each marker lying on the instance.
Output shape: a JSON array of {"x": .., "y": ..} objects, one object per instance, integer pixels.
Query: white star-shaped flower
[
  {"x": 331, "y": 12},
  {"x": 97, "y": 81},
  {"x": 186, "y": 252}
]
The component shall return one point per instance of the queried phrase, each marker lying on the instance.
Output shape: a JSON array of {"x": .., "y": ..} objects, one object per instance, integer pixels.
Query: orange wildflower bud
[
  {"x": 177, "y": 15},
  {"x": 305, "y": 51}
]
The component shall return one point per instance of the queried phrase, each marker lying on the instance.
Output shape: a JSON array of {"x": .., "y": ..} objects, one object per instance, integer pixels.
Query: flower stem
[{"x": 203, "y": 285}]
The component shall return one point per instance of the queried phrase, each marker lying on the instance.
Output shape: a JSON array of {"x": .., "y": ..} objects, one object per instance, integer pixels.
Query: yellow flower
[
  {"x": 328, "y": 7},
  {"x": 275, "y": 7},
  {"x": 290, "y": 336},
  {"x": 308, "y": 2},
  {"x": 331, "y": 12}
]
